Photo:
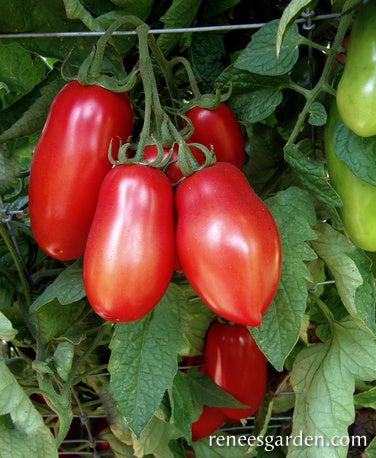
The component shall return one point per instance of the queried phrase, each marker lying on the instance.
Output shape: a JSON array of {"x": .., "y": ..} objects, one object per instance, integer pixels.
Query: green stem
[
  {"x": 322, "y": 85},
  {"x": 192, "y": 80},
  {"x": 324, "y": 308},
  {"x": 17, "y": 263}
]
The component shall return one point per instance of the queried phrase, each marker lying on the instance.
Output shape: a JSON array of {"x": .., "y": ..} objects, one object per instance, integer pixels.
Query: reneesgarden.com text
[{"x": 269, "y": 443}]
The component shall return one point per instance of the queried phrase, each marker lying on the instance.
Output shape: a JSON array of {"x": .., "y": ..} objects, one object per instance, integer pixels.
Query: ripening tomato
[
  {"x": 236, "y": 364},
  {"x": 130, "y": 250},
  {"x": 211, "y": 419},
  {"x": 70, "y": 162},
  {"x": 219, "y": 129},
  {"x": 227, "y": 243}
]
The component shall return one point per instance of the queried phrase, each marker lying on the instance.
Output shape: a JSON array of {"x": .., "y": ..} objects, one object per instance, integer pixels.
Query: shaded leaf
[
  {"x": 260, "y": 54},
  {"x": 358, "y": 153},
  {"x": 23, "y": 433},
  {"x": 280, "y": 327},
  {"x": 6, "y": 329},
  {"x": 289, "y": 13},
  {"x": 67, "y": 288},
  {"x": 323, "y": 378},
  {"x": 351, "y": 270},
  {"x": 143, "y": 362}
]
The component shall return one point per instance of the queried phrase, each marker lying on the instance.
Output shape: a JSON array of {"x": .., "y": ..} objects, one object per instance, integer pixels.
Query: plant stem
[{"x": 17, "y": 262}]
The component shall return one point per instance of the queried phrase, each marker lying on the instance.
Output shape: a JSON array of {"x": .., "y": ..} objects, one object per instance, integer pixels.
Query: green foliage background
[{"x": 319, "y": 332}]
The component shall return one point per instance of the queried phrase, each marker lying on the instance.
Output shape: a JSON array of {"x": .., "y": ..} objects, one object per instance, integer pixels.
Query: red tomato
[
  {"x": 227, "y": 243},
  {"x": 70, "y": 162},
  {"x": 219, "y": 129},
  {"x": 130, "y": 250},
  {"x": 236, "y": 364},
  {"x": 211, "y": 419}
]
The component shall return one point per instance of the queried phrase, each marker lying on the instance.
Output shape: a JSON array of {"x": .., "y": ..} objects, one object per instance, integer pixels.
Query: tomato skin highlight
[
  {"x": 227, "y": 243},
  {"x": 219, "y": 129},
  {"x": 70, "y": 162},
  {"x": 236, "y": 364},
  {"x": 130, "y": 250},
  {"x": 356, "y": 92}
]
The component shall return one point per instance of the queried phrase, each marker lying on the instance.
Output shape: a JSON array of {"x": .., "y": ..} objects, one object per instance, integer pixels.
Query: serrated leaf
[
  {"x": 358, "y": 153},
  {"x": 24, "y": 434},
  {"x": 54, "y": 320},
  {"x": 279, "y": 331},
  {"x": 143, "y": 362},
  {"x": 206, "y": 54},
  {"x": 67, "y": 288},
  {"x": 194, "y": 317},
  {"x": 181, "y": 405},
  {"x": 351, "y": 270},
  {"x": 323, "y": 379},
  {"x": 7, "y": 332},
  {"x": 311, "y": 172},
  {"x": 205, "y": 392},
  {"x": 34, "y": 117},
  {"x": 289, "y": 13},
  {"x": 260, "y": 54},
  {"x": 154, "y": 439},
  {"x": 215, "y": 447},
  {"x": 371, "y": 449},
  {"x": 241, "y": 81},
  {"x": 19, "y": 72},
  {"x": 181, "y": 13},
  {"x": 317, "y": 114},
  {"x": 366, "y": 398},
  {"x": 255, "y": 106},
  {"x": 63, "y": 359}
]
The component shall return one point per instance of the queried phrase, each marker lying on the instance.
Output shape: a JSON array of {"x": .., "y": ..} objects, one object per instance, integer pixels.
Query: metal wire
[{"x": 216, "y": 28}]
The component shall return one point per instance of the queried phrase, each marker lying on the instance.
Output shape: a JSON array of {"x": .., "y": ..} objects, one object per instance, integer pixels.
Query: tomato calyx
[{"x": 90, "y": 71}]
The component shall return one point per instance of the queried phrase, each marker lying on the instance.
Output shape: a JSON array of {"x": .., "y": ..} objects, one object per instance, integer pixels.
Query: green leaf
[
  {"x": 19, "y": 73},
  {"x": 323, "y": 379},
  {"x": 255, "y": 106},
  {"x": 240, "y": 81},
  {"x": 205, "y": 392},
  {"x": 371, "y": 449},
  {"x": 181, "y": 405},
  {"x": 260, "y": 54},
  {"x": 143, "y": 362},
  {"x": 154, "y": 439},
  {"x": 318, "y": 115},
  {"x": 311, "y": 172},
  {"x": 216, "y": 446},
  {"x": 33, "y": 119},
  {"x": 63, "y": 359},
  {"x": 289, "y": 13},
  {"x": 351, "y": 270},
  {"x": 24, "y": 433},
  {"x": 54, "y": 320},
  {"x": 358, "y": 153},
  {"x": 7, "y": 332},
  {"x": 279, "y": 331},
  {"x": 181, "y": 13},
  {"x": 366, "y": 398},
  {"x": 206, "y": 55},
  {"x": 194, "y": 317},
  {"x": 67, "y": 288}
]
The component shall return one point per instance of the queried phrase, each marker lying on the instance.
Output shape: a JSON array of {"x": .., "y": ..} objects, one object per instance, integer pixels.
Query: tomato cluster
[{"x": 131, "y": 226}]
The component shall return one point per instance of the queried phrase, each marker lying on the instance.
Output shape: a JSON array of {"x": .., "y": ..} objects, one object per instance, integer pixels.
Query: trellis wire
[{"x": 216, "y": 28}]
